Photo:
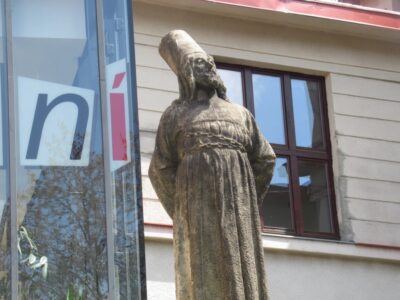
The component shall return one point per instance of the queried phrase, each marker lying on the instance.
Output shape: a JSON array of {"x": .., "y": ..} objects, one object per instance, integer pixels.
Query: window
[{"x": 290, "y": 110}]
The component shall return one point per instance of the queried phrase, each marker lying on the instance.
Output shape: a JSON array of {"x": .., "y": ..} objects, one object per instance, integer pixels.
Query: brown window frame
[{"x": 292, "y": 152}]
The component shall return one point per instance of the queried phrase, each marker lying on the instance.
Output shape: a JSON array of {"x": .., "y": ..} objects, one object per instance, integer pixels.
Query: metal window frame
[
  {"x": 12, "y": 143},
  {"x": 292, "y": 152}
]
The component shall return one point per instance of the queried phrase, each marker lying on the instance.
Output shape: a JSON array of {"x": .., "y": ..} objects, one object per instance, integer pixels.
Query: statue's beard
[
  {"x": 191, "y": 79},
  {"x": 211, "y": 82}
]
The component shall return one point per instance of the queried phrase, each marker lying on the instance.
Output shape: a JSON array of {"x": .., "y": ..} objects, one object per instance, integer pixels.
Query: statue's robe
[{"x": 211, "y": 168}]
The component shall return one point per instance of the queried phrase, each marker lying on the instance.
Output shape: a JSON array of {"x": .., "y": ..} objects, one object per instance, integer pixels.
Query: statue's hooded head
[{"x": 193, "y": 66}]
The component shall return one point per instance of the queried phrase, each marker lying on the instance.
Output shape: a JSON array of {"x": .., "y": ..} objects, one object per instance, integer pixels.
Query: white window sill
[{"x": 299, "y": 245}]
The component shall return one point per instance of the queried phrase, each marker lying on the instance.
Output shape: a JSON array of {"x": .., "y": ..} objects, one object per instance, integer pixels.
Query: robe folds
[{"x": 211, "y": 168}]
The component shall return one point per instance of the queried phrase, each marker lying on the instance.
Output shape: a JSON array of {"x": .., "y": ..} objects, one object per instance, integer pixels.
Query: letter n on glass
[{"x": 55, "y": 123}]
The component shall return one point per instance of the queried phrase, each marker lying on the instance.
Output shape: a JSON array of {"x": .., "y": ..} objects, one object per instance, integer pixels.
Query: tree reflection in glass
[
  {"x": 66, "y": 220},
  {"x": 62, "y": 208}
]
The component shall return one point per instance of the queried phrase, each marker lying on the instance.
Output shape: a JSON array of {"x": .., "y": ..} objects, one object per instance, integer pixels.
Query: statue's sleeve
[
  {"x": 162, "y": 170},
  {"x": 262, "y": 159}
]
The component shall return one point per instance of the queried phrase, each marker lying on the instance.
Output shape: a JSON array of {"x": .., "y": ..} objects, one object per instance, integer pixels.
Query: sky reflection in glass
[
  {"x": 268, "y": 106},
  {"x": 233, "y": 83}
]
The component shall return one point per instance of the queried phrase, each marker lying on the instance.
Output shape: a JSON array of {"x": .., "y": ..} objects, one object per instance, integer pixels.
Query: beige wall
[
  {"x": 363, "y": 87},
  {"x": 363, "y": 91},
  {"x": 293, "y": 276}
]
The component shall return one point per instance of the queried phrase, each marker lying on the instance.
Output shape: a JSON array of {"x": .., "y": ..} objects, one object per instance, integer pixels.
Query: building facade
[
  {"x": 82, "y": 90},
  {"x": 323, "y": 81}
]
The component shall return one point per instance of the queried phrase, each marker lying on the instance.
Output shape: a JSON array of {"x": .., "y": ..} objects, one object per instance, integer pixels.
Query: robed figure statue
[{"x": 211, "y": 168}]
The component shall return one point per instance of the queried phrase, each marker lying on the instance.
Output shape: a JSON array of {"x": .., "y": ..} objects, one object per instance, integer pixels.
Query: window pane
[
  {"x": 61, "y": 208},
  {"x": 277, "y": 205},
  {"x": 233, "y": 82},
  {"x": 314, "y": 196},
  {"x": 307, "y": 113},
  {"x": 122, "y": 152},
  {"x": 268, "y": 107},
  {"x": 5, "y": 284}
]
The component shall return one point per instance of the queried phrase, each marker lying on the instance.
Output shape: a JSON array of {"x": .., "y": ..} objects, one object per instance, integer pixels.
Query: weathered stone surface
[{"x": 211, "y": 168}]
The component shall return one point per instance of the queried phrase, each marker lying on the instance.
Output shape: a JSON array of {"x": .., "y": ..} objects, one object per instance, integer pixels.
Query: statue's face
[{"x": 203, "y": 67}]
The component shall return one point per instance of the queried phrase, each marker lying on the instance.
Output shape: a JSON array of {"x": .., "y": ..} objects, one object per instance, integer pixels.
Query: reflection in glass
[
  {"x": 314, "y": 196},
  {"x": 121, "y": 126},
  {"x": 5, "y": 285},
  {"x": 276, "y": 205},
  {"x": 268, "y": 107},
  {"x": 307, "y": 114},
  {"x": 233, "y": 82},
  {"x": 61, "y": 213}
]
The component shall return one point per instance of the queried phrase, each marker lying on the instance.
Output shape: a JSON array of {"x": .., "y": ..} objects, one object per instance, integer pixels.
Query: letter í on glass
[
  {"x": 118, "y": 113},
  {"x": 55, "y": 123}
]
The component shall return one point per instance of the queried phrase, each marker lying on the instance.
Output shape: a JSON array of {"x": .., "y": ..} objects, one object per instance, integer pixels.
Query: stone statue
[{"x": 211, "y": 168}]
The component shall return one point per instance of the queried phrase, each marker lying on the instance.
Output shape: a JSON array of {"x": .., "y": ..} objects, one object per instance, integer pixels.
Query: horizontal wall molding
[
  {"x": 300, "y": 246},
  {"x": 370, "y": 169},
  {"x": 374, "y": 211},
  {"x": 351, "y": 187},
  {"x": 148, "y": 120},
  {"x": 368, "y": 148},
  {"x": 155, "y": 100},
  {"x": 146, "y": 77},
  {"x": 363, "y": 87},
  {"x": 366, "y": 107},
  {"x": 367, "y": 117},
  {"x": 367, "y": 128}
]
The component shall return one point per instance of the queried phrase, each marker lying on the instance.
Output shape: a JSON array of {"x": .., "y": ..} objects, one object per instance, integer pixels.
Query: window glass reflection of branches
[{"x": 66, "y": 219}]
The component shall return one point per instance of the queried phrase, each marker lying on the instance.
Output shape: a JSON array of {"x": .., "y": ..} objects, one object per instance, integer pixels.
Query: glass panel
[
  {"x": 277, "y": 205},
  {"x": 314, "y": 196},
  {"x": 61, "y": 212},
  {"x": 268, "y": 107},
  {"x": 121, "y": 103},
  {"x": 5, "y": 284},
  {"x": 233, "y": 83},
  {"x": 307, "y": 114}
]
